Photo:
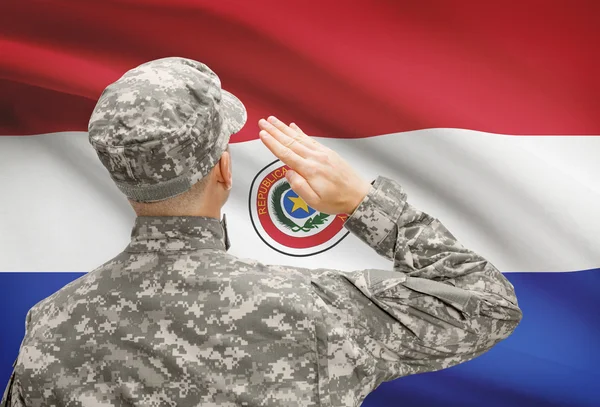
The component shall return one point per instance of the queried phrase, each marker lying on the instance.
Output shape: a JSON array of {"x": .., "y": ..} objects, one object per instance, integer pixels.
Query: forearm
[{"x": 422, "y": 248}]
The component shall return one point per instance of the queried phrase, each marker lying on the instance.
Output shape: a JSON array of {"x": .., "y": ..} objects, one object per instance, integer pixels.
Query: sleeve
[{"x": 442, "y": 304}]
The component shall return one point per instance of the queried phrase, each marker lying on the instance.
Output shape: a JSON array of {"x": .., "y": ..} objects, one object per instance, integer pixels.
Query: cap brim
[{"x": 233, "y": 111}]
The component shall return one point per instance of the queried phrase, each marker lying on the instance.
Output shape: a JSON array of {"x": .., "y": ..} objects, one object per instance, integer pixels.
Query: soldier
[{"x": 175, "y": 320}]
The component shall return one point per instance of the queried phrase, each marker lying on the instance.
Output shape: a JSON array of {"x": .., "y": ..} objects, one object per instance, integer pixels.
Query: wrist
[{"x": 359, "y": 196}]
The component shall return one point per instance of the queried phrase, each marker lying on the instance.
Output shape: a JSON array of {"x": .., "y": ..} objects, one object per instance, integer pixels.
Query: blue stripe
[{"x": 552, "y": 359}]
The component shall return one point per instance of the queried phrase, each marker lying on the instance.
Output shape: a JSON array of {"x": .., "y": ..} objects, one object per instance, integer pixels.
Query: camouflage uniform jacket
[{"x": 174, "y": 320}]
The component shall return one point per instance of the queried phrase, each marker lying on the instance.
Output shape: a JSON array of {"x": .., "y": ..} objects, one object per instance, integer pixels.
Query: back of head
[
  {"x": 183, "y": 204},
  {"x": 163, "y": 126}
]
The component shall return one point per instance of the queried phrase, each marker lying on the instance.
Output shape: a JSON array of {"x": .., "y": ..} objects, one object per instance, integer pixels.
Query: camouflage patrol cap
[{"x": 163, "y": 126}]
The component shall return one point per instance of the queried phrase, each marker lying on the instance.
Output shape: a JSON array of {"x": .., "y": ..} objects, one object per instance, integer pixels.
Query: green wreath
[{"x": 311, "y": 223}]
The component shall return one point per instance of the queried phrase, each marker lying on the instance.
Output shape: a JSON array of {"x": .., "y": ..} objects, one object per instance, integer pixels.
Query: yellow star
[{"x": 298, "y": 203}]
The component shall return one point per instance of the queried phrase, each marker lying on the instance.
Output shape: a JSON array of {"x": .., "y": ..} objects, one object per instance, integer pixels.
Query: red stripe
[{"x": 341, "y": 69}]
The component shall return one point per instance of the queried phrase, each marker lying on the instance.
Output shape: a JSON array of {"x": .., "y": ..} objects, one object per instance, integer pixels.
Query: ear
[{"x": 224, "y": 174}]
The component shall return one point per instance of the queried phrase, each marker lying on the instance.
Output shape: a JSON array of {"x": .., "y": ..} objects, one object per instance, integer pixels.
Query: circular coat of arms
[{"x": 285, "y": 222}]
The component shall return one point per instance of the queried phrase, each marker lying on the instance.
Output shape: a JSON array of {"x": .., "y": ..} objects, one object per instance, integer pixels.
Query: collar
[{"x": 175, "y": 233}]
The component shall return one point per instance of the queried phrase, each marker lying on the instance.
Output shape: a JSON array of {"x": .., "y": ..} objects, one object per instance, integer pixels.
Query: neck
[
  {"x": 209, "y": 213},
  {"x": 214, "y": 213},
  {"x": 160, "y": 209}
]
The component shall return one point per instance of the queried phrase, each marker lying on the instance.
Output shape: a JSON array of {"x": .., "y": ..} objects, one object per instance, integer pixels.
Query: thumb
[{"x": 301, "y": 187}]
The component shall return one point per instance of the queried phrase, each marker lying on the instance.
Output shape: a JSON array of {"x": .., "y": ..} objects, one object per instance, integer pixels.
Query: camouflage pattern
[
  {"x": 163, "y": 126},
  {"x": 175, "y": 320}
]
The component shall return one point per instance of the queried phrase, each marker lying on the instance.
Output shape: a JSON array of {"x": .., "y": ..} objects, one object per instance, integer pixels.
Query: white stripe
[{"x": 527, "y": 203}]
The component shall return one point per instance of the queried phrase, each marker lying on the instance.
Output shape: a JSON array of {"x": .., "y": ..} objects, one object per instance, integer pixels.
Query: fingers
[
  {"x": 285, "y": 154},
  {"x": 307, "y": 140},
  {"x": 301, "y": 187},
  {"x": 294, "y": 134},
  {"x": 295, "y": 127},
  {"x": 287, "y": 141}
]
